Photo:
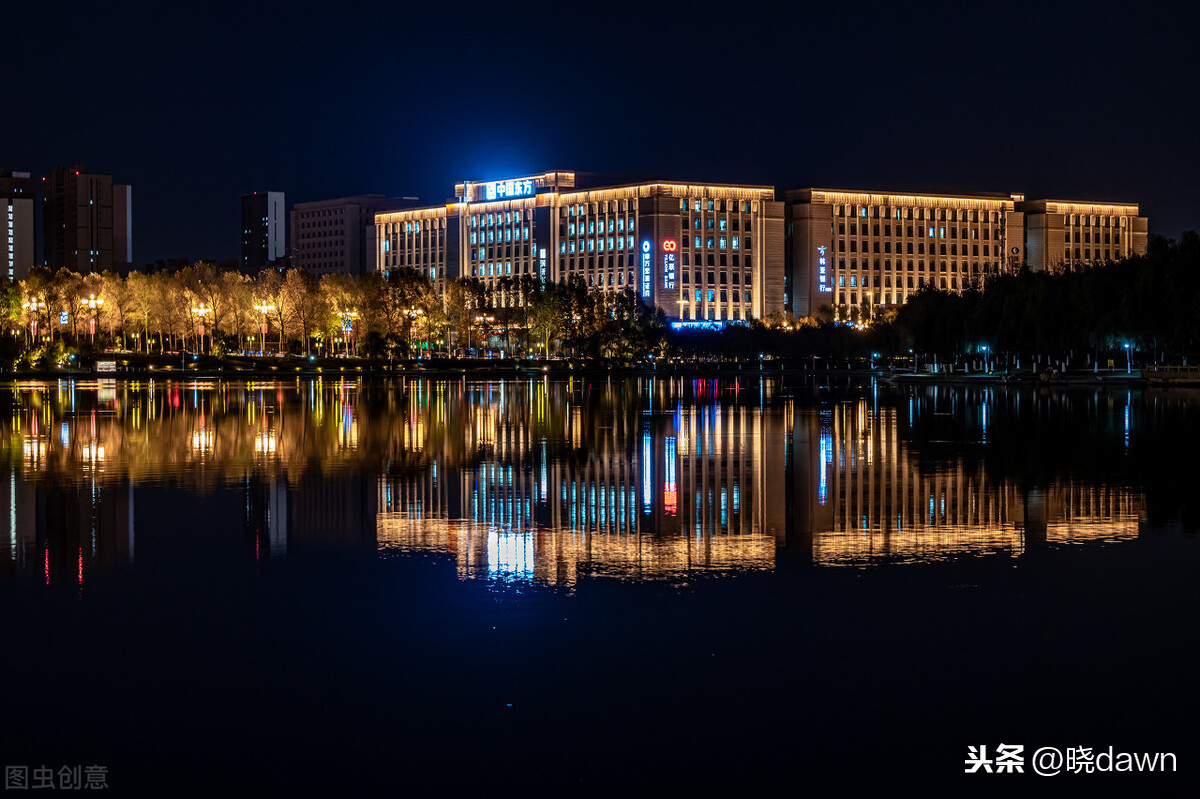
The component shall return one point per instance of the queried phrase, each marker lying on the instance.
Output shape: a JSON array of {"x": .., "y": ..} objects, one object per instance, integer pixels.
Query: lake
[{"x": 359, "y": 587}]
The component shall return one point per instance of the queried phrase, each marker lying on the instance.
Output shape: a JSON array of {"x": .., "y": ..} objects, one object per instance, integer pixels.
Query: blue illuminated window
[
  {"x": 711, "y": 295},
  {"x": 610, "y": 242},
  {"x": 897, "y": 213},
  {"x": 931, "y": 233},
  {"x": 746, "y": 207},
  {"x": 433, "y": 273},
  {"x": 863, "y": 213},
  {"x": 724, "y": 225},
  {"x": 696, "y": 207},
  {"x": 735, "y": 244},
  {"x": 591, "y": 227},
  {"x": 591, "y": 245},
  {"x": 491, "y": 219},
  {"x": 525, "y": 233},
  {"x": 697, "y": 244},
  {"x": 621, "y": 222},
  {"x": 853, "y": 281},
  {"x": 571, "y": 229},
  {"x": 941, "y": 232},
  {"x": 697, "y": 290},
  {"x": 710, "y": 242},
  {"x": 571, "y": 211},
  {"x": 710, "y": 205},
  {"x": 508, "y": 267},
  {"x": 508, "y": 235},
  {"x": 722, "y": 242},
  {"x": 842, "y": 281},
  {"x": 611, "y": 224},
  {"x": 572, "y": 247},
  {"x": 562, "y": 247}
]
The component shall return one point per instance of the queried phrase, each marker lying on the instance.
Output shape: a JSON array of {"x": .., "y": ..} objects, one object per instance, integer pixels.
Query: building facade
[
  {"x": 699, "y": 252},
  {"x": 17, "y": 195},
  {"x": 264, "y": 239},
  {"x": 1069, "y": 234},
  {"x": 87, "y": 222},
  {"x": 849, "y": 249},
  {"x": 338, "y": 235}
]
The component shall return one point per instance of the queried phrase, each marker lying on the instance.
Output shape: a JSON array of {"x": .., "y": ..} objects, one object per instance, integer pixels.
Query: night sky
[{"x": 195, "y": 106}]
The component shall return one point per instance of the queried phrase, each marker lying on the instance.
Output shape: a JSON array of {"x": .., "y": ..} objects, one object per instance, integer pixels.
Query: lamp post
[
  {"x": 1128, "y": 360},
  {"x": 202, "y": 311},
  {"x": 413, "y": 314},
  {"x": 348, "y": 318},
  {"x": 33, "y": 305},
  {"x": 92, "y": 304},
  {"x": 265, "y": 308}
]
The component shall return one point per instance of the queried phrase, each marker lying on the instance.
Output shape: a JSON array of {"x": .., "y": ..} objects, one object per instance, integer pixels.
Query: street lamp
[
  {"x": 413, "y": 314},
  {"x": 1128, "y": 360},
  {"x": 202, "y": 311},
  {"x": 265, "y": 308},
  {"x": 91, "y": 303},
  {"x": 33, "y": 305},
  {"x": 348, "y": 318}
]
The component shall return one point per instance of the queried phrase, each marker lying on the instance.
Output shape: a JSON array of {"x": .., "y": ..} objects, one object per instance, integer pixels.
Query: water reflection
[{"x": 534, "y": 480}]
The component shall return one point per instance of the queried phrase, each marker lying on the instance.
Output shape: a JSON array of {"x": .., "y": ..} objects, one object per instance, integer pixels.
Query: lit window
[{"x": 735, "y": 242}]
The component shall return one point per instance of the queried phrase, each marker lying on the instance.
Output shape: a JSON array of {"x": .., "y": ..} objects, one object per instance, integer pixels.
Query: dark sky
[{"x": 195, "y": 106}]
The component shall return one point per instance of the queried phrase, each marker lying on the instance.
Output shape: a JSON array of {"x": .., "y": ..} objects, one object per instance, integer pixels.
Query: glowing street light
[
  {"x": 1128, "y": 360},
  {"x": 92, "y": 304},
  {"x": 347, "y": 318},
  {"x": 33, "y": 305},
  {"x": 202, "y": 311},
  {"x": 265, "y": 308}
]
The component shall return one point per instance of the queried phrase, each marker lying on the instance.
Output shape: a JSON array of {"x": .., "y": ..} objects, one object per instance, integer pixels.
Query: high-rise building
[
  {"x": 264, "y": 239},
  {"x": 17, "y": 194},
  {"x": 703, "y": 253},
  {"x": 80, "y": 216},
  {"x": 338, "y": 235}
]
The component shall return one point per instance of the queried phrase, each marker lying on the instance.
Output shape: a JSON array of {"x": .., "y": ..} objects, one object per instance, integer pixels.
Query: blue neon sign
[
  {"x": 646, "y": 277},
  {"x": 822, "y": 273},
  {"x": 503, "y": 189}
]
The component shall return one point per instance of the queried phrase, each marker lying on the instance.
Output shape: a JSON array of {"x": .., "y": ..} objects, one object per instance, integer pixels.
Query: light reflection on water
[{"x": 550, "y": 482}]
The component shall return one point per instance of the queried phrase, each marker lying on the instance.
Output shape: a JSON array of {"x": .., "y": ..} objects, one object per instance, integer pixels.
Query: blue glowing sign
[
  {"x": 542, "y": 265},
  {"x": 502, "y": 189},
  {"x": 646, "y": 278},
  {"x": 669, "y": 247},
  {"x": 706, "y": 324},
  {"x": 822, "y": 273},
  {"x": 63, "y": 317}
]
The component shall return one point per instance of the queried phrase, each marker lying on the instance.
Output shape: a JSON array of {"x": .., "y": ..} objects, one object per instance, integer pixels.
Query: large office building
[
  {"x": 331, "y": 236},
  {"x": 87, "y": 222},
  {"x": 849, "y": 249},
  {"x": 264, "y": 239},
  {"x": 697, "y": 251},
  {"x": 17, "y": 196},
  {"x": 857, "y": 251},
  {"x": 1068, "y": 234}
]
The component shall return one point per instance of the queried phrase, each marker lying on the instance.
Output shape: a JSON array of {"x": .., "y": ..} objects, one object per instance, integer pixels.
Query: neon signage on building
[
  {"x": 503, "y": 189},
  {"x": 646, "y": 277},
  {"x": 669, "y": 248},
  {"x": 822, "y": 273}
]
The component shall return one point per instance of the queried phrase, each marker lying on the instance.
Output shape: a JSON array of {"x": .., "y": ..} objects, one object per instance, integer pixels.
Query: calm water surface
[{"x": 538, "y": 586}]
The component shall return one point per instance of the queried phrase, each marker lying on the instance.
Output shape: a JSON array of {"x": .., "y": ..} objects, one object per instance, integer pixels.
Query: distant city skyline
[{"x": 956, "y": 100}]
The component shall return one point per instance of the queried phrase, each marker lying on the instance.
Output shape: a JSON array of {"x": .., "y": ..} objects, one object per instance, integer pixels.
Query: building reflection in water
[{"x": 534, "y": 480}]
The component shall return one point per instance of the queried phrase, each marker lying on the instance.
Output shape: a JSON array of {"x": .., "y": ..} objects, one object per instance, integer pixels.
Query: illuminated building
[
  {"x": 87, "y": 222},
  {"x": 263, "y": 222},
  {"x": 697, "y": 251},
  {"x": 1072, "y": 233},
  {"x": 854, "y": 249},
  {"x": 331, "y": 236},
  {"x": 865, "y": 250},
  {"x": 17, "y": 194}
]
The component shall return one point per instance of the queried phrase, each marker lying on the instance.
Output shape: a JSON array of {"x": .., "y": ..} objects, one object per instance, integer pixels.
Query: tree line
[{"x": 400, "y": 313}]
